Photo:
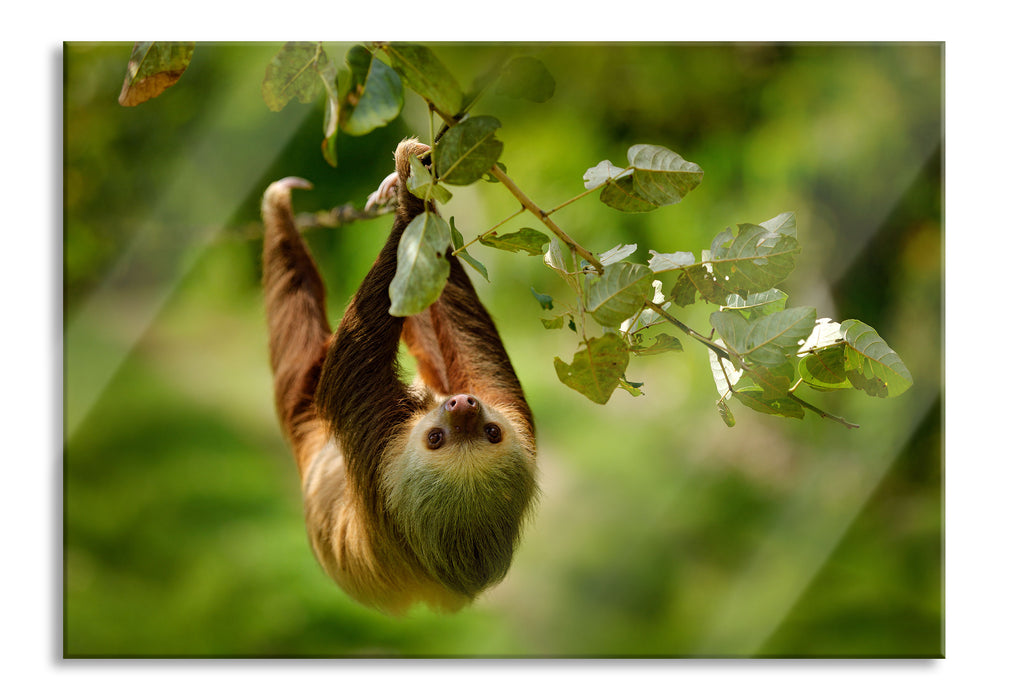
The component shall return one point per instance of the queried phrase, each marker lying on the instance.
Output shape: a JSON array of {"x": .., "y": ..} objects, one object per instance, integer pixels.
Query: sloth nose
[{"x": 462, "y": 403}]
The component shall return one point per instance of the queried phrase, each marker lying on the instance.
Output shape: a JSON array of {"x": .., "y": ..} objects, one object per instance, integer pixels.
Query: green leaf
[
  {"x": 421, "y": 183},
  {"x": 664, "y": 262},
  {"x": 757, "y": 303},
  {"x": 774, "y": 338},
  {"x": 622, "y": 195},
  {"x": 426, "y": 75},
  {"x": 755, "y": 260},
  {"x": 293, "y": 73},
  {"x": 663, "y": 342},
  {"x": 732, "y": 328},
  {"x": 328, "y": 74},
  {"x": 597, "y": 175},
  {"x": 632, "y": 388},
  {"x": 546, "y": 301},
  {"x": 554, "y": 322},
  {"x": 756, "y": 399},
  {"x": 467, "y": 150},
  {"x": 373, "y": 96},
  {"x": 153, "y": 67},
  {"x": 825, "y": 369},
  {"x": 421, "y": 265},
  {"x": 871, "y": 365},
  {"x": 526, "y": 78},
  {"x": 782, "y": 225},
  {"x": 619, "y": 293},
  {"x": 596, "y": 370},
  {"x": 525, "y": 240},
  {"x": 457, "y": 243},
  {"x": 661, "y": 176}
]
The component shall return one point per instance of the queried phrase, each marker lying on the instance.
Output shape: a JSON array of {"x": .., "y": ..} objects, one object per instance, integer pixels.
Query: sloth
[{"x": 413, "y": 493}]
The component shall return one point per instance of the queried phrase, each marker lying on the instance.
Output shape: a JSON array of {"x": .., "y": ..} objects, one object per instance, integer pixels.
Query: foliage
[{"x": 761, "y": 350}]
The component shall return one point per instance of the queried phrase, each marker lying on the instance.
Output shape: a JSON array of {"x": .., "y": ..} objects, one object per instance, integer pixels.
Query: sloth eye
[
  {"x": 493, "y": 432},
  {"x": 435, "y": 438}
]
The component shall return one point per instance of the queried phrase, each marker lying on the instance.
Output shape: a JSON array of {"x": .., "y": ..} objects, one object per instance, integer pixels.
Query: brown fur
[{"x": 392, "y": 522}]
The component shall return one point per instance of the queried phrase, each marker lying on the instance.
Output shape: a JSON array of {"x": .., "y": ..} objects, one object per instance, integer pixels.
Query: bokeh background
[{"x": 660, "y": 531}]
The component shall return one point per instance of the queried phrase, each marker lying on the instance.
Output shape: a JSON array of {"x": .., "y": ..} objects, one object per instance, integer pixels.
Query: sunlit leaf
[
  {"x": 467, "y": 150},
  {"x": 664, "y": 262},
  {"x": 597, "y": 369},
  {"x": 525, "y": 240},
  {"x": 825, "y": 369},
  {"x": 426, "y": 75},
  {"x": 722, "y": 371},
  {"x": 293, "y": 73},
  {"x": 374, "y": 95},
  {"x": 871, "y": 365},
  {"x": 618, "y": 293},
  {"x": 153, "y": 67},
  {"x": 526, "y": 78},
  {"x": 421, "y": 265},
  {"x": 328, "y": 74},
  {"x": 559, "y": 257},
  {"x": 553, "y": 323},
  {"x": 616, "y": 254},
  {"x": 597, "y": 175},
  {"x": 782, "y": 225}
]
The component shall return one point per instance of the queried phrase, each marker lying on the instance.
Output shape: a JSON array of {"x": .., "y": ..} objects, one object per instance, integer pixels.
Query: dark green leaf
[
  {"x": 426, "y": 75},
  {"x": 293, "y": 73},
  {"x": 732, "y": 328},
  {"x": 871, "y": 365},
  {"x": 755, "y": 398},
  {"x": 457, "y": 243},
  {"x": 467, "y": 150},
  {"x": 622, "y": 195},
  {"x": 619, "y": 293},
  {"x": 154, "y": 66},
  {"x": 525, "y": 240},
  {"x": 374, "y": 95},
  {"x": 596, "y": 370},
  {"x": 546, "y": 301},
  {"x": 526, "y": 78},
  {"x": 421, "y": 265}
]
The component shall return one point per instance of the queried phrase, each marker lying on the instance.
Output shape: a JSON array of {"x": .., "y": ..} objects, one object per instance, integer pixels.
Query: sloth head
[{"x": 459, "y": 491}]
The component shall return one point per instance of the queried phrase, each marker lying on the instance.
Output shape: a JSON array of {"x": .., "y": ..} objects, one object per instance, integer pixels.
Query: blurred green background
[{"x": 660, "y": 532}]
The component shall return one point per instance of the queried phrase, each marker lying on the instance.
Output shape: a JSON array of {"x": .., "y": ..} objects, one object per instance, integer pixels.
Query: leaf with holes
[{"x": 294, "y": 73}]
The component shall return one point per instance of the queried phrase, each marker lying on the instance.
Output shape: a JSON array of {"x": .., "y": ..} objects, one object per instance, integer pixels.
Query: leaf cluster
[{"x": 761, "y": 350}]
